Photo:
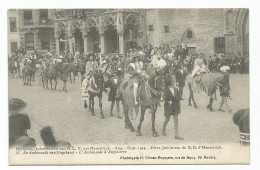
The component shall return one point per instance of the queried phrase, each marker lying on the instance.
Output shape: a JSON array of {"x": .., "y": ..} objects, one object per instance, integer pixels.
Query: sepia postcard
[{"x": 128, "y": 86}]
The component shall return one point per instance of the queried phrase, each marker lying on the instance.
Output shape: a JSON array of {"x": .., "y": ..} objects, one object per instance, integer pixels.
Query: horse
[
  {"x": 53, "y": 72},
  {"x": 208, "y": 82},
  {"x": 96, "y": 87},
  {"x": 27, "y": 74},
  {"x": 149, "y": 93},
  {"x": 73, "y": 69}
]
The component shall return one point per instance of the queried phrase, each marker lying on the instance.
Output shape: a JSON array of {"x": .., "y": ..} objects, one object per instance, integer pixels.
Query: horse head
[{"x": 99, "y": 79}]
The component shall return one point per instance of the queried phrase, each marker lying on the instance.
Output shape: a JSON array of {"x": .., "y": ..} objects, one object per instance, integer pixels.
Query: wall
[
  {"x": 13, "y": 36},
  {"x": 205, "y": 23}
]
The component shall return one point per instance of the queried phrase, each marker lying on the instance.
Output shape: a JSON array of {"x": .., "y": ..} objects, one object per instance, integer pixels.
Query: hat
[
  {"x": 224, "y": 68},
  {"x": 15, "y": 104}
]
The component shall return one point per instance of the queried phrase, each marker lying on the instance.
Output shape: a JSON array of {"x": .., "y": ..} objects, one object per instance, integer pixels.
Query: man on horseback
[
  {"x": 135, "y": 70},
  {"x": 199, "y": 66}
]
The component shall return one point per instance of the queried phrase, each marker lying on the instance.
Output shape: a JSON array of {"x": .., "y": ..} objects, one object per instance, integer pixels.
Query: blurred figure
[
  {"x": 19, "y": 124},
  {"x": 49, "y": 139}
]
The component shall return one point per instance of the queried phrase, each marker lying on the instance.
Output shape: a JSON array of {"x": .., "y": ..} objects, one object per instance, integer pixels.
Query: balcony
[
  {"x": 27, "y": 23},
  {"x": 46, "y": 22}
]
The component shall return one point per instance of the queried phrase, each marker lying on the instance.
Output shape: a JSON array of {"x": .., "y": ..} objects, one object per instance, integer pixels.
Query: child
[
  {"x": 84, "y": 88},
  {"x": 225, "y": 90},
  {"x": 113, "y": 84},
  {"x": 19, "y": 124},
  {"x": 172, "y": 105}
]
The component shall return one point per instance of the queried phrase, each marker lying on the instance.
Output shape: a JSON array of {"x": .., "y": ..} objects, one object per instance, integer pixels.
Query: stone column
[
  {"x": 121, "y": 43},
  {"x": 57, "y": 45},
  {"x": 70, "y": 44},
  {"x": 120, "y": 31},
  {"x": 85, "y": 37},
  {"x": 102, "y": 43}
]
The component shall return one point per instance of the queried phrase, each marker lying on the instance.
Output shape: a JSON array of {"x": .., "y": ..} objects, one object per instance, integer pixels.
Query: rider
[
  {"x": 91, "y": 66},
  {"x": 135, "y": 69},
  {"x": 199, "y": 66}
]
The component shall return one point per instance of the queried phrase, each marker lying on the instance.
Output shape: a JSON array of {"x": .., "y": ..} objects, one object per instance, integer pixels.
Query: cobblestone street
[{"x": 64, "y": 112}]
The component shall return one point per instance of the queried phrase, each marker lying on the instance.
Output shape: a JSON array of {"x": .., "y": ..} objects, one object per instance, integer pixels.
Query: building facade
[
  {"x": 36, "y": 30},
  {"x": 107, "y": 30},
  {"x": 206, "y": 30},
  {"x": 98, "y": 30},
  {"x": 13, "y": 31}
]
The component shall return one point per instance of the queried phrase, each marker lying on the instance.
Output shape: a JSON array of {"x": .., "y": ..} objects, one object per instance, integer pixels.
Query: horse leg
[
  {"x": 100, "y": 107},
  {"x": 191, "y": 97},
  {"x": 210, "y": 104},
  {"x": 93, "y": 104},
  {"x": 138, "y": 132},
  {"x": 111, "y": 108},
  {"x": 56, "y": 82},
  {"x": 85, "y": 104},
  {"x": 89, "y": 100},
  {"x": 193, "y": 100},
  {"x": 128, "y": 123},
  {"x": 74, "y": 75},
  {"x": 30, "y": 80},
  {"x": 51, "y": 83},
  {"x": 47, "y": 86},
  {"x": 70, "y": 76},
  {"x": 155, "y": 134}
]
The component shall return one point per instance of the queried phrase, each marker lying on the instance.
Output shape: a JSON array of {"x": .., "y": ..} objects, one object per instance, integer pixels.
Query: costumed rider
[
  {"x": 199, "y": 66},
  {"x": 91, "y": 67},
  {"x": 136, "y": 73}
]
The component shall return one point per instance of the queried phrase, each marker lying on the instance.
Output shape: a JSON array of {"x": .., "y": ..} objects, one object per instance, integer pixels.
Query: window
[
  {"x": 77, "y": 12},
  {"x": 189, "y": 34},
  {"x": 166, "y": 29},
  {"x": 150, "y": 27},
  {"x": 219, "y": 44},
  {"x": 29, "y": 41},
  {"x": 28, "y": 16},
  {"x": 43, "y": 15},
  {"x": 13, "y": 47},
  {"x": 45, "y": 45},
  {"x": 13, "y": 27}
]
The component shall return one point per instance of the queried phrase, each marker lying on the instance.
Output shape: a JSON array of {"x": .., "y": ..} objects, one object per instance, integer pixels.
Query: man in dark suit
[
  {"x": 184, "y": 53},
  {"x": 181, "y": 74},
  {"x": 172, "y": 106}
]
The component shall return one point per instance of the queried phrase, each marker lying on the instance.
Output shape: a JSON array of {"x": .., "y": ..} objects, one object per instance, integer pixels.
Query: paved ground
[{"x": 70, "y": 121}]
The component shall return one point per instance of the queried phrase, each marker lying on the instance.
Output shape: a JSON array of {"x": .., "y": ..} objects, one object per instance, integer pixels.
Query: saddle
[{"x": 197, "y": 78}]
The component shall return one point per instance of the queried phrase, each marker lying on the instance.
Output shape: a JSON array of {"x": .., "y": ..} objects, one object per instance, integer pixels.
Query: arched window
[{"x": 188, "y": 34}]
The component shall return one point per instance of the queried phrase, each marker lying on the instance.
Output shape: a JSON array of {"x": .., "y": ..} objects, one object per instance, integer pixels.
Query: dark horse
[
  {"x": 96, "y": 87},
  {"x": 149, "y": 94},
  {"x": 27, "y": 73},
  {"x": 53, "y": 72},
  {"x": 73, "y": 70},
  {"x": 207, "y": 82}
]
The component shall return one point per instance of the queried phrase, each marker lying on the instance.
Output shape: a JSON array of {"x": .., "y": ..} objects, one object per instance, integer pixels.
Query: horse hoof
[
  {"x": 189, "y": 104},
  {"x": 92, "y": 113},
  {"x": 102, "y": 117},
  {"x": 132, "y": 129},
  {"x": 138, "y": 133},
  {"x": 111, "y": 114},
  {"x": 164, "y": 133},
  {"x": 155, "y": 134},
  {"x": 127, "y": 126},
  {"x": 195, "y": 106}
]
